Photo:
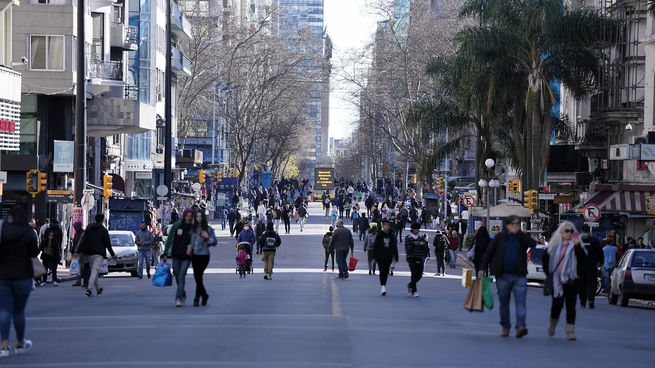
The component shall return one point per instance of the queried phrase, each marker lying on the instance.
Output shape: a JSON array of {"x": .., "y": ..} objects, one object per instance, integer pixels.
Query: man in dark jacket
[
  {"x": 362, "y": 225},
  {"x": 385, "y": 251},
  {"x": 95, "y": 244},
  {"x": 260, "y": 229},
  {"x": 588, "y": 279},
  {"x": 231, "y": 219},
  {"x": 341, "y": 243},
  {"x": 270, "y": 241},
  {"x": 506, "y": 258},
  {"x": 82, "y": 260},
  {"x": 177, "y": 241},
  {"x": 416, "y": 251}
]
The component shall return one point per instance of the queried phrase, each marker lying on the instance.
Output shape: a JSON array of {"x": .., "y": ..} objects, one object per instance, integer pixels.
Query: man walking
[
  {"x": 588, "y": 280},
  {"x": 416, "y": 251},
  {"x": 177, "y": 241},
  {"x": 269, "y": 243},
  {"x": 341, "y": 242},
  {"x": 144, "y": 240},
  {"x": 231, "y": 218},
  {"x": 302, "y": 215},
  {"x": 506, "y": 257},
  {"x": 94, "y": 244}
]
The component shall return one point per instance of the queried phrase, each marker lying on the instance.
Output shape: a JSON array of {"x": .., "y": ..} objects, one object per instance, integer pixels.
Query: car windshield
[
  {"x": 644, "y": 259},
  {"x": 121, "y": 240}
]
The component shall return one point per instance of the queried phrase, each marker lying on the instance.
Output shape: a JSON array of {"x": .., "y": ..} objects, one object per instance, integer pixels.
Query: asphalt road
[{"x": 304, "y": 318}]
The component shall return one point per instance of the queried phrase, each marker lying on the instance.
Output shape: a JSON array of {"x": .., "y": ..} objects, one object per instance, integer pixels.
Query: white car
[
  {"x": 122, "y": 242},
  {"x": 535, "y": 264},
  {"x": 633, "y": 277}
]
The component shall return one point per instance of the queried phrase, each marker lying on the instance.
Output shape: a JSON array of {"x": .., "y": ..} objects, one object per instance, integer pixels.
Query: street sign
[
  {"x": 592, "y": 224},
  {"x": 88, "y": 191},
  {"x": 546, "y": 196},
  {"x": 88, "y": 201},
  {"x": 59, "y": 196},
  {"x": 591, "y": 213},
  {"x": 162, "y": 190},
  {"x": 469, "y": 201}
]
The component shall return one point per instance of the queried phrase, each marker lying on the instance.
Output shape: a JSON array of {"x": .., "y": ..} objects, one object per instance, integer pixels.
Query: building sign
[
  {"x": 143, "y": 175},
  {"x": 64, "y": 160},
  {"x": 643, "y": 152},
  {"x": 324, "y": 179},
  {"x": 9, "y": 130},
  {"x": 59, "y": 196},
  {"x": 134, "y": 165}
]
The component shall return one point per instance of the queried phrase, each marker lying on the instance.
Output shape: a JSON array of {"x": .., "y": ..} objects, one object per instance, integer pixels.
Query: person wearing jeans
[
  {"x": 177, "y": 242},
  {"x": 144, "y": 241},
  {"x": 609, "y": 262},
  {"x": 202, "y": 238},
  {"x": 341, "y": 243},
  {"x": 506, "y": 258}
]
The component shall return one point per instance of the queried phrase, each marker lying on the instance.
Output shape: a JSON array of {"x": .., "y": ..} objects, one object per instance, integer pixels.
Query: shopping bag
[
  {"x": 75, "y": 267},
  {"x": 467, "y": 276},
  {"x": 473, "y": 302},
  {"x": 163, "y": 276},
  {"x": 104, "y": 267},
  {"x": 487, "y": 297},
  {"x": 352, "y": 264}
]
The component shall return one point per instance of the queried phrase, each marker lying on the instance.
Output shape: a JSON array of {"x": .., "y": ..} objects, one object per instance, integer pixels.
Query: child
[{"x": 242, "y": 257}]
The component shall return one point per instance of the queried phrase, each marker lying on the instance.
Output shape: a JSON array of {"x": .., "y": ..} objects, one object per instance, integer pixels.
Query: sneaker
[
  {"x": 139, "y": 278},
  {"x": 183, "y": 300},
  {"x": 383, "y": 291},
  {"x": 148, "y": 275},
  {"x": 196, "y": 302},
  {"x": 4, "y": 352},
  {"x": 592, "y": 306},
  {"x": 437, "y": 274},
  {"x": 24, "y": 348},
  {"x": 369, "y": 272},
  {"x": 391, "y": 273},
  {"x": 89, "y": 293},
  {"x": 77, "y": 284},
  {"x": 204, "y": 299},
  {"x": 265, "y": 277},
  {"x": 240, "y": 276},
  {"x": 325, "y": 270},
  {"x": 99, "y": 291},
  {"x": 414, "y": 295},
  {"x": 178, "y": 303},
  {"x": 270, "y": 277},
  {"x": 54, "y": 283},
  {"x": 42, "y": 284}
]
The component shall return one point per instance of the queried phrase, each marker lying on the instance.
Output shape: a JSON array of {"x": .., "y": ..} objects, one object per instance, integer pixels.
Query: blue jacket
[
  {"x": 197, "y": 248},
  {"x": 247, "y": 236}
]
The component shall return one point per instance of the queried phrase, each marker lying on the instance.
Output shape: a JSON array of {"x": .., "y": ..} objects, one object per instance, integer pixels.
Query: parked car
[
  {"x": 126, "y": 252},
  {"x": 535, "y": 264},
  {"x": 633, "y": 277}
]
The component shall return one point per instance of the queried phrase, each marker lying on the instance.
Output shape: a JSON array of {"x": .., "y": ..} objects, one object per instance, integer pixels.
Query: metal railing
[{"x": 111, "y": 70}]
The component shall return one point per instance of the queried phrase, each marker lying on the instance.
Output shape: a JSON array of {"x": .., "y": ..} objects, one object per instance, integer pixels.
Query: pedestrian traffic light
[
  {"x": 531, "y": 200},
  {"x": 42, "y": 181},
  {"x": 107, "y": 185},
  {"x": 31, "y": 182},
  {"x": 201, "y": 177}
]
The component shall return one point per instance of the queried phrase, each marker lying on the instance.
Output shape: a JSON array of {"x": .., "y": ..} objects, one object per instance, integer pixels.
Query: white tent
[{"x": 503, "y": 210}]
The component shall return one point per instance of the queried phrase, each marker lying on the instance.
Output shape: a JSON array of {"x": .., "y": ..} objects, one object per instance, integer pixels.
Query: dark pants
[
  {"x": 371, "y": 261},
  {"x": 342, "y": 264},
  {"x": 49, "y": 263},
  {"x": 460, "y": 237},
  {"x": 441, "y": 262},
  {"x": 85, "y": 273},
  {"x": 199, "y": 264},
  {"x": 569, "y": 297},
  {"x": 587, "y": 288},
  {"x": 384, "y": 266},
  {"x": 416, "y": 269},
  {"x": 13, "y": 299},
  {"x": 329, "y": 255},
  {"x": 231, "y": 228},
  {"x": 287, "y": 225},
  {"x": 401, "y": 226}
]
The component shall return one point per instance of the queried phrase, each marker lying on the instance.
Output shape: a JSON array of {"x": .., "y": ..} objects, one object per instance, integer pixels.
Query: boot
[
  {"x": 551, "y": 327},
  {"x": 369, "y": 271},
  {"x": 570, "y": 331}
]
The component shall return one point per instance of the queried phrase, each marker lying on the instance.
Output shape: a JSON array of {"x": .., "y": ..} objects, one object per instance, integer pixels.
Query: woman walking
[
  {"x": 286, "y": 216},
  {"x": 564, "y": 259},
  {"x": 385, "y": 252},
  {"x": 17, "y": 247},
  {"x": 369, "y": 242},
  {"x": 50, "y": 255},
  {"x": 277, "y": 217},
  {"x": 202, "y": 237},
  {"x": 481, "y": 242}
]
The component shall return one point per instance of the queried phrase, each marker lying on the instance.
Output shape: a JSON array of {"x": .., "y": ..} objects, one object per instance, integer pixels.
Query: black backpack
[
  {"x": 269, "y": 243},
  {"x": 440, "y": 243},
  {"x": 326, "y": 241}
]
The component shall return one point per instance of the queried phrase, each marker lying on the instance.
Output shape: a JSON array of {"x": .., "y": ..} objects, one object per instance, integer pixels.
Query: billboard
[{"x": 324, "y": 179}]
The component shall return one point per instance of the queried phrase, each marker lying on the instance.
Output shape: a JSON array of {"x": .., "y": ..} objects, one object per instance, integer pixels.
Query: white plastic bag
[
  {"x": 75, "y": 267},
  {"x": 104, "y": 267}
]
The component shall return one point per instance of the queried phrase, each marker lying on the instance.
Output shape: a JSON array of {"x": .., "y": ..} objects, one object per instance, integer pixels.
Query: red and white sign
[
  {"x": 469, "y": 201},
  {"x": 591, "y": 212}
]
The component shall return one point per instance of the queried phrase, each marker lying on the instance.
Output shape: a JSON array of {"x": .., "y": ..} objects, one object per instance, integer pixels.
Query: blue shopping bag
[{"x": 163, "y": 276}]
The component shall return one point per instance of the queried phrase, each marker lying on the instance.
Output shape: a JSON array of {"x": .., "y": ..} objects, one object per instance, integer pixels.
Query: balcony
[
  {"x": 180, "y": 26},
  {"x": 590, "y": 135},
  {"x": 124, "y": 37},
  {"x": 10, "y": 81},
  {"x": 109, "y": 116},
  {"x": 181, "y": 65},
  {"x": 105, "y": 75}
]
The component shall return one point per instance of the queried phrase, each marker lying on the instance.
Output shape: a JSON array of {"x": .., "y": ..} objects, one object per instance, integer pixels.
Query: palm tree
[{"x": 505, "y": 66}]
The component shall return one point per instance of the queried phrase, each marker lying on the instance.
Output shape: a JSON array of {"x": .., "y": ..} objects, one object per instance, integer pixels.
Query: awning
[{"x": 621, "y": 201}]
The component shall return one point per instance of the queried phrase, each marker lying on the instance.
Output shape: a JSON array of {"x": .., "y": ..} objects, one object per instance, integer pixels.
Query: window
[
  {"x": 98, "y": 45},
  {"x": 138, "y": 146},
  {"x": 47, "y": 53}
]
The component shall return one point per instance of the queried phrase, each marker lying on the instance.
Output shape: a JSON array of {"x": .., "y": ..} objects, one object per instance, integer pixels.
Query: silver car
[
  {"x": 633, "y": 277},
  {"x": 122, "y": 242}
]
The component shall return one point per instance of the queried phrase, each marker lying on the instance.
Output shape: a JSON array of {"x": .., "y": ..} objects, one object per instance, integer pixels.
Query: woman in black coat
[
  {"x": 50, "y": 256},
  {"x": 481, "y": 242}
]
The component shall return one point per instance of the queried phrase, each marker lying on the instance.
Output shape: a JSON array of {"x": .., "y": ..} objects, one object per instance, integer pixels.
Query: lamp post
[{"x": 489, "y": 182}]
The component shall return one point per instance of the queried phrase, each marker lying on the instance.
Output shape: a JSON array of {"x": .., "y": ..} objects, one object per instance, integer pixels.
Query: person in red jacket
[{"x": 452, "y": 248}]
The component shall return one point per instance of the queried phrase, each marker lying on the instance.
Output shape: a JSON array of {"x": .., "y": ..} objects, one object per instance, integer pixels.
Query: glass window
[
  {"x": 97, "y": 46},
  {"x": 138, "y": 146},
  {"x": 47, "y": 53},
  {"x": 28, "y": 122}
]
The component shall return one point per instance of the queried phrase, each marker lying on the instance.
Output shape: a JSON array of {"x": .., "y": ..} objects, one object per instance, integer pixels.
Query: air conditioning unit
[
  {"x": 619, "y": 152},
  {"x": 640, "y": 139}
]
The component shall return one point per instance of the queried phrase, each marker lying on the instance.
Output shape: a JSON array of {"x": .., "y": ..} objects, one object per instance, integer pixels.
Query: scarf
[{"x": 569, "y": 267}]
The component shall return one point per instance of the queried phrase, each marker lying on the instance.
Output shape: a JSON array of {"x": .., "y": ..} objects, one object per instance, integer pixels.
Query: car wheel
[
  {"x": 599, "y": 286},
  {"x": 611, "y": 298},
  {"x": 625, "y": 299},
  {"x": 134, "y": 274}
]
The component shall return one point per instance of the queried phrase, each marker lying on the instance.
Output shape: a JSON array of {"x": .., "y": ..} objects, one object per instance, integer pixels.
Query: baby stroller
[{"x": 248, "y": 248}]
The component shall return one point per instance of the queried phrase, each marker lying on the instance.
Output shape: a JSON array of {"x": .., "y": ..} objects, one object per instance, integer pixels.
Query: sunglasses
[{"x": 568, "y": 231}]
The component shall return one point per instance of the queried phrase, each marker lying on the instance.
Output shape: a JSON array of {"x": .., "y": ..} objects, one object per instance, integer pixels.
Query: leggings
[
  {"x": 441, "y": 263},
  {"x": 13, "y": 299},
  {"x": 287, "y": 225},
  {"x": 384, "y": 266},
  {"x": 49, "y": 263},
  {"x": 199, "y": 264},
  {"x": 329, "y": 254}
]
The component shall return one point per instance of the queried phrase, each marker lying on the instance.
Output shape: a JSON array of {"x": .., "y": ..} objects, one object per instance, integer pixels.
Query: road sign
[
  {"x": 546, "y": 196},
  {"x": 162, "y": 190},
  {"x": 592, "y": 224},
  {"x": 59, "y": 196},
  {"x": 88, "y": 201},
  {"x": 469, "y": 201},
  {"x": 591, "y": 213}
]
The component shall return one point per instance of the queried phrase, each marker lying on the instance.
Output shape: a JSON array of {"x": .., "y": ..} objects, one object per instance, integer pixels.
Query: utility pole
[
  {"x": 168, "y": 129},
  {"x": 80, "y": 108}
]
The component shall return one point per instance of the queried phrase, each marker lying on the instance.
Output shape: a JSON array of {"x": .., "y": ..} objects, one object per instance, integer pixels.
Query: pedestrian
[
  {"x": 334, "y": 216},
  {"x": 43, "y": 229},
  {"x": 440, "y": 244},
  {"x": 144, "y": 241},
  {"x": 452, "y": 248},
  {"x": 202, "y": 238},
  {"x": 95, "y": 244},
  {"x": 242, "y": 259},
  {"x": 277, "y": 219},
  {"x": 231, "y": 219},
  {"x": 564, "y": 260},
  {"x": 348, "y": 207},
  {"x": 177, "y": 241},
  {"x": 50, "y": 256},
  {"x": 341, "y": 243},
  {"x": 247, "y": 235},
  {"x": 326, "y": 205},
  {"x": 362, "y": 225},
  {"x": 329, "y": 253},
  {"x": 461, "y": 232},
  {"x": 588, "y": 281},
  {"x": 399, "y": 226},
  {"x": 416, "y": 251},
  {"x": 156, "y": 247},
  {"x": 506, "y": 258},
  {"x": 84, "y": 271},
  {"x": 18, "y": 244},
  {"x": 385, "y": 251},
  {"x": 175, "y": 217},
  {"x": 260, "y": 228},
  {"x": 369, "y": 246},
  {"x": 481, "y": 242},
  {"x": 610, "y": 254},
  {"x": 270, "y": 241},
  {"x": 222, "y": 216},
  {"x": 302, "y": 214},
  {"x": 354, "y": 218},
  {"x": 286, "y": 216}
]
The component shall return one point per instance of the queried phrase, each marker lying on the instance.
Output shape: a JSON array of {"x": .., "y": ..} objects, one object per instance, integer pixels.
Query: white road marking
[{"x": 168, "y": 363}]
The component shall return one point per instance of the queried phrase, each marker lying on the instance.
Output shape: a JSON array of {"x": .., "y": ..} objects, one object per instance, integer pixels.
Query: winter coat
[
  {"x": 269, "y": 234},
  {"x": 178, "y": 240},
  {"x": 18, "y": 246},
  {"x": 198, "y": 247},
  {"x": 414, "y": 250},
  {"x": 95, "y": 241},
  {"x": 342, "y": 240},
  {"x": 385, "y": 248},
  {"x": 369, "y": 241},
  {"x": 494, "y": 257}
]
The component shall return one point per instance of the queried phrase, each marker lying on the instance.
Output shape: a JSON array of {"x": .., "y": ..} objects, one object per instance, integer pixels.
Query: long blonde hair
[{"x": 556, "y": 240}]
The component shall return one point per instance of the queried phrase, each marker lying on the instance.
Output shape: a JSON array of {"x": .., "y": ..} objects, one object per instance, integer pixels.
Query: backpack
[
  {"x": 440, "y": 243},
  {"x": 326, "y": 241},
  {"x": 269, "y": 243},
  {"x": 327, "y": 200}
]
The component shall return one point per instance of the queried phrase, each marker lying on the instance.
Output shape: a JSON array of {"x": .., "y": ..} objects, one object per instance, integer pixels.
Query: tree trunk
[{"x": 535, "y": 142}]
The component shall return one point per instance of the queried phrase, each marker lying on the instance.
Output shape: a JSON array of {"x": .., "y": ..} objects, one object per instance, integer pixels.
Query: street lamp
[{"x": 486, "y": 184}]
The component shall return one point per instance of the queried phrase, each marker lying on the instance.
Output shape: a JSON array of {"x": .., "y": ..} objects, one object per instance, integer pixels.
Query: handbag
[
  {"x": 473, "y": 302},
  {"x": 38, "y": 268},
  {"x": 548, "y": 282}
]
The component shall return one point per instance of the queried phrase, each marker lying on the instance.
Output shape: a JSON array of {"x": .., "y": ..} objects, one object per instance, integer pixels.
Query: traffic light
[
  {"x": 515, "y": 185},
  {"x": 201, "y": 176},
  {"x": 413, "y": 178},
  {"x": 219, "y": 176},
  {"x": 440, "y": 183},
  {"x": 650, "y": 205},
  {"x": 531, "y": 200},
  {"x": 42, "y": 181},
  {"x": 107, "y": 185},
  {"x": 31, "y": 182}
]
